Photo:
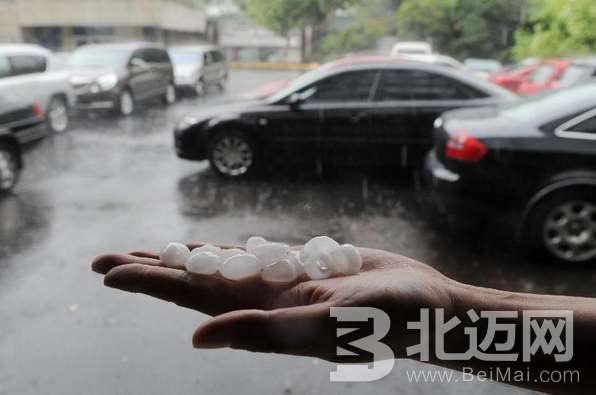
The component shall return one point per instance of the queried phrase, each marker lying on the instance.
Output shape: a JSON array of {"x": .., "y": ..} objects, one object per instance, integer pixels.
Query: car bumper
[
  {"x": 189, "y": 145},
  {"x": 96, "y": 101}
]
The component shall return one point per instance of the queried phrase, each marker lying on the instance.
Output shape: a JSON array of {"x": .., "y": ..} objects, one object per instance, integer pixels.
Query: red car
[
  {"x": 512, "y": 77},
  {"x": 546, "y": 75}
]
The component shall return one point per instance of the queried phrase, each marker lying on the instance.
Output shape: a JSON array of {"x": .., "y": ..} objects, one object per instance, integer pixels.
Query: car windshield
[
  {"x": 186, "y": 57},
  {"x": 300, "y": 82},
  {"x": 483, "y": 65},
  {"x": 99, "y": 57}
]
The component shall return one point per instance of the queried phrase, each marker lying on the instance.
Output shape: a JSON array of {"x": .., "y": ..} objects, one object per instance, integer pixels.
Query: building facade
[{"x": 63, "y": 25}]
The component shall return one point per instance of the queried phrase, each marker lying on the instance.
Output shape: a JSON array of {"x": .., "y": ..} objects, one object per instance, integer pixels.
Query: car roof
[{"x": 30, "y": 48}]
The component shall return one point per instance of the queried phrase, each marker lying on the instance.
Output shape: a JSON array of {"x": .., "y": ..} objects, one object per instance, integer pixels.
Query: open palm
[{"x": 284, "y": 318}]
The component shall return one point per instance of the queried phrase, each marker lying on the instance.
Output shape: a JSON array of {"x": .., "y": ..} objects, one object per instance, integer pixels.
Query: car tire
[
  {"x": 125, "y": 104},
  {"x": 233, "y": 154},
  {"x": 9, "y": 169},
  {"x": 562, "y": 227},
  {"x": 57, "y": 115},
  {"x": 169, "y": 96},
  {"x": 199, "y": 88}
]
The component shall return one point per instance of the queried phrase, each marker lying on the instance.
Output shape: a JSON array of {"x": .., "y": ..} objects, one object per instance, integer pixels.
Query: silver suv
[
  {"x": 198, "y": 67},
  {"x": 30, "y": 73}
]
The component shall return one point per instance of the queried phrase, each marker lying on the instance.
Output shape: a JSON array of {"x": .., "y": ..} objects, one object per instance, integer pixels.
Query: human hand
[{"x": 291, "y": 318}]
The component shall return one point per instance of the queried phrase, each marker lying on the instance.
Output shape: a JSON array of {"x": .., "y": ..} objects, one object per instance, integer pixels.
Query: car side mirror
[
  {"x": 138, "y": 64},
  {"x": 295, "y": 100}
]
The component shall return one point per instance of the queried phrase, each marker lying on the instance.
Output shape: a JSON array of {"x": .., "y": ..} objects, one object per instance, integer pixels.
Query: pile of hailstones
[{"x": 320, "y": 258}]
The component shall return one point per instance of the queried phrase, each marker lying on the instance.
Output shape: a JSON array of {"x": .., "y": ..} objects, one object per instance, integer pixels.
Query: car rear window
[{"x": 542, "y": 74}]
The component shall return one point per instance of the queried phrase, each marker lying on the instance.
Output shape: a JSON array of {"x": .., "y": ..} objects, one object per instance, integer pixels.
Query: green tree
[
  {"x": 557, "y": 28},
  {"x": 281, "y": 16},
  {"x": 463, "y": 28}
]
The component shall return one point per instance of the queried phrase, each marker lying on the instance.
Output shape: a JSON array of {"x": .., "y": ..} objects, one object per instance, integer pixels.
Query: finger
[
  {"x": 205, "y": 293},
  {"x": 144, "y": 254},
  {"x": 304, "y": 330},
  {"x": 104, "y": 263}
]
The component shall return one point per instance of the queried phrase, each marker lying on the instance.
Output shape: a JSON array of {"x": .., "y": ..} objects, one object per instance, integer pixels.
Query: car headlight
[{"x": 107, "y": 81}]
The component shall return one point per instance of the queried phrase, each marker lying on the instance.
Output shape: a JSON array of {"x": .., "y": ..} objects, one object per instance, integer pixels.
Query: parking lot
[{"x": 116, "y": 185}]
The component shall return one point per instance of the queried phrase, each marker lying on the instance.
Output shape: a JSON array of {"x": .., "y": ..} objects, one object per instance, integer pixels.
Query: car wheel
[
  {"x": 199, "y": 88},
  {"x": 126, "y": 103},
  {"x": 564, "y": 227},
  {"x": 57, "y": 116},
  {"x": 233, "y": 154},
  {"x": 9, "y": 169},
  {"x": 170, "y": 95}
]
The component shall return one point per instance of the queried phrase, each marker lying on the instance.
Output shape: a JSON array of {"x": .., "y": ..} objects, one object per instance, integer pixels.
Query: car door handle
[{"x": 357, "y": 116}]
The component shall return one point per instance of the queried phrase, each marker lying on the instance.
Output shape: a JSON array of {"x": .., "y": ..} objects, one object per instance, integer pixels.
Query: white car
[
  {"x": 30, "y": 73},
  {"x": 199, "y": 67},
  {"x": 411, "y": 48},
  {"x": 437, "y": 59}
]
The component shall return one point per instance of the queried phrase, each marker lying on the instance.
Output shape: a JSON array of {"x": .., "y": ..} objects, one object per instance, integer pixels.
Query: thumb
[{"x": 304, "y": 330}]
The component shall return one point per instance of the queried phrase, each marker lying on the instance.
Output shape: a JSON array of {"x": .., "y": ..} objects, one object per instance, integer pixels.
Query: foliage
[
  {"x": 462, "y": 28},
  {"x": 557, "y": 28}
]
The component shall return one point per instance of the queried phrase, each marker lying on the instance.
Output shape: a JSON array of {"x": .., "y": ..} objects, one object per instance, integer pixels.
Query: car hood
[
  {"x": 227, "y": 109},
  {"x": 186, "y": 69},
  {"x": 79, "y": 76}
]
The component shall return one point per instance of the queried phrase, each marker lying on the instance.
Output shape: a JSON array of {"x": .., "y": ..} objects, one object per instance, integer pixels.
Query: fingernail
[{"x": 210, "y": 340}]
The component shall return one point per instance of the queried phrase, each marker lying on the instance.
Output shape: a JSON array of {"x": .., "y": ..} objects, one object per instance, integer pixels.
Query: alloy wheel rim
[
  {"x": 58, "y": 116},
  {"x": 232, "y": 156},
  {"x": 8, "y": 172},
  {"x": 569, "y": 231},
  {"x": 126, "y": 104}
]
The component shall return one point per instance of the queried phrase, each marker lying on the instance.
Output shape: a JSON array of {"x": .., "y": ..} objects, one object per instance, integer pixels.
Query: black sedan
[
  {"x": 373, "y": 111},
  {"x": 536, "y": 158}
]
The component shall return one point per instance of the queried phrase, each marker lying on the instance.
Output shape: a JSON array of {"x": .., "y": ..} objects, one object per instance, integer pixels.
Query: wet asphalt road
[{"x": 116, "y": 185}]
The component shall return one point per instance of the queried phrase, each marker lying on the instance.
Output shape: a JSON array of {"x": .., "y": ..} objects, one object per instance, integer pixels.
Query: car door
[
  {"x": 343, "y": 101},
  {"x": 140, "y": 78},
  {"x": 160, "y": 70},
  {"x": 405, "y": 106}
]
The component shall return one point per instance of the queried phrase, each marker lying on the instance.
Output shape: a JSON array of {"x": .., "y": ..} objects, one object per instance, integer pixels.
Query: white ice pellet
[
  {"x": 294, "y": 259},
  {"x": 253, "y": 242},
  {"x": 174, "y": 255},
  {"x": 316, "y": 247},
  {"x": 282, "y": 271},
  {"x": 343, "y": 260},
  {"x": 225, "y": 254},
  {"x": 240, "y": 266},
  {"x": 203, "y": 262},
  {"x": 316, "y": 270},
  {"x": 271, "y": 252},
  {"x": 206, "y": 248}
]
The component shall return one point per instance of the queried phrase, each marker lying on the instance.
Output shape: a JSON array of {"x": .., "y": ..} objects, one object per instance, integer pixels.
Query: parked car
[
  {"x": 10, "y": 160},
  {"x": 118, "y": 76},
  {"x": 411, "y": 48},
  {"x": 483, "y": 67},
  {"x": 30, "y": 72},
  {"x": 535, "y": 158},
  {"x": 18, "y": 128},
  {"x": 436, "y": 59},
  {"x": 373, "y": 111},
  {"x": 199, "y": 67},
  {"x": 512, "y": 77}
]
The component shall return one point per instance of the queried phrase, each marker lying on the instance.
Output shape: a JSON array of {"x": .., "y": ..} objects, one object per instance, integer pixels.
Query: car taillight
[
  {"x": 463, "y": 146},
  {"x": 37, "y": 110}
]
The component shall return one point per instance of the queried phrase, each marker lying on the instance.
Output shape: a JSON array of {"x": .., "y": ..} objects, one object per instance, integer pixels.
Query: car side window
[
  {"x": 5, "y": 69},
  {"x": 398, "y": 85},
  {"x": 27, "y": 64},
  {"x": 586, "y": 126},
  {"x": 155, "y": 56},
  {"x": 207, "y": 59},
  {"x": 217, "y": 56},
  {"x": 542, "y": 74},
  {"x": 352, "y": 86}
]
